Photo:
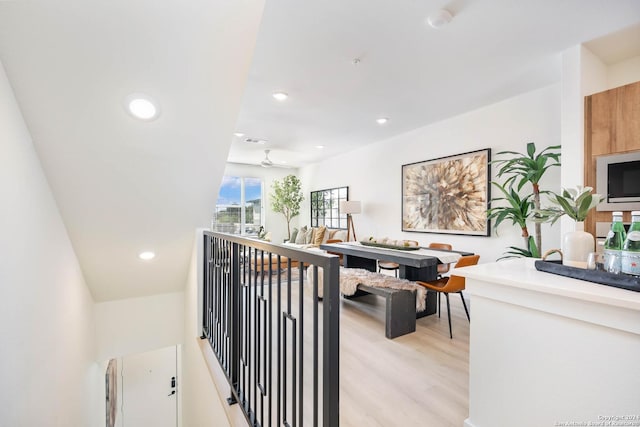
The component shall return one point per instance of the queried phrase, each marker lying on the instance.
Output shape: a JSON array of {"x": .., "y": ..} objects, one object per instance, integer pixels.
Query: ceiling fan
[
  {"x": 265, "y": 163},
  {"x": 268, "y": 163}
]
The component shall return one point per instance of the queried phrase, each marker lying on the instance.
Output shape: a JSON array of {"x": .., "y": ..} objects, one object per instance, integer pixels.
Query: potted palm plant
[
  {"x": 517, "y": 210},
  {"x": 519, "y": 170}
]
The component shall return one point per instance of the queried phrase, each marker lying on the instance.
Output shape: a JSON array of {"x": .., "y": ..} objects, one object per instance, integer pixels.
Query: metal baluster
[
  {"x": 238, "y": 322},
  {"x": 315, "y": 345},
  {"x": 301, "y": 347}
]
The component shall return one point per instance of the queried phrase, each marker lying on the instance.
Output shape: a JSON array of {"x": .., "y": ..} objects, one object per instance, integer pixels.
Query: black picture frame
[
  {"x": 448, "y": 195},
  {"x": 111, "y": 392}
]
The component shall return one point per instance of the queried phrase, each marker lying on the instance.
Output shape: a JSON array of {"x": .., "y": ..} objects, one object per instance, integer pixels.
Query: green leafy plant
[
  {"x": 286, "y": 198},
  {"x": 574, "y": 202},
  {"x": 530, "y": 252},
  {"x": 517, "y": 209},
  {"x": 520, "y": 169}
]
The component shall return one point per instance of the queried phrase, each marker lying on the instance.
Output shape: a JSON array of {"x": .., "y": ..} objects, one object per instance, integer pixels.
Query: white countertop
[{"x": 520, "y": 273}]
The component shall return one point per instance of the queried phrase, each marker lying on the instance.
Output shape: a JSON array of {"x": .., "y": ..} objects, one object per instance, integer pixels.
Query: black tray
[{"x": 623, "y": 281}]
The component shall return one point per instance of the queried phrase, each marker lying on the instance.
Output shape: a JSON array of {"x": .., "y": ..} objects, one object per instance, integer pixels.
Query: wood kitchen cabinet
[
  {"x": 612, "y": 121},
  {"x": 612, "y": 126},
  {"x": 600, "y": 112},
  {"x": 627, "y": 137}
]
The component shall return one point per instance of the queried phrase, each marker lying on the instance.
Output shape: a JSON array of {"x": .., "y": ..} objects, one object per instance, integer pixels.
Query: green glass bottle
[
  {"x": 631, "y": 248},
  {"x": 614, "y": 244}
]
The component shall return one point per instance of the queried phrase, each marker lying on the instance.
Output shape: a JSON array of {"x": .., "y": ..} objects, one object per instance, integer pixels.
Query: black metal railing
[{"x": 262, "y": 318}]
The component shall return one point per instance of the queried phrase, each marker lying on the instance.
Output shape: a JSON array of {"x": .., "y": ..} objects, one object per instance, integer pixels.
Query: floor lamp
[{"x": 350, "y": 207}]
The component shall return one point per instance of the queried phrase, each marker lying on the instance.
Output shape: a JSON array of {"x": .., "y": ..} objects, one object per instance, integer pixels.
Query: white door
[{"x": 149, "y": 389}]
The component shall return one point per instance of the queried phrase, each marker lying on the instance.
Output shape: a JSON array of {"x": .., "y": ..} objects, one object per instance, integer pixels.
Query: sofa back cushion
[
  {"x": 339, "y": 235},
  {"x": 308, "y": 238},
  {"x": 317, "y": 235},
  {"x": 302, "y": 234}
]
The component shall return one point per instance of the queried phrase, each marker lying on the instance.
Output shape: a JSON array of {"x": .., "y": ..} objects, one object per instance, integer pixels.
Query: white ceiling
[
  {"x": 408, "y": 71},
  {"x": 122, "y": 185},
  {"x": 617, "y": 46},
  {"x": 125, "y": 186}
]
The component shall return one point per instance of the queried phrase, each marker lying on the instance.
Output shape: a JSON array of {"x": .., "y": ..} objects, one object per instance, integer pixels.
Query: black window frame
[{"x": 325, "y": 207}]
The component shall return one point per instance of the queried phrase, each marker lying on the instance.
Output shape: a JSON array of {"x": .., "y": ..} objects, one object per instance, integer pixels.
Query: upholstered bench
[
  {"x": 400, "y": 309},
  {"x": 403, "y": 298}
]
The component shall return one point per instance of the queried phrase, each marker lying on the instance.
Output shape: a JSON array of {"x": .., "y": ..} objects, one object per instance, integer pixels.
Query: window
[
  {"x": 239, "y": 206},
  {"x": 325, "y": 207}
]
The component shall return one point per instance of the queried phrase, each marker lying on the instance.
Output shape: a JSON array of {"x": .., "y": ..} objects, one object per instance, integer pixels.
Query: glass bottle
[
  {"x": 631, "y": 248},
  {"x": 613, "y": 244}
]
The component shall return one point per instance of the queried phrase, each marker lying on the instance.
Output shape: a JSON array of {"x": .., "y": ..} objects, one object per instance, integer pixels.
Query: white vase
[{"x": 576, "y": 246}]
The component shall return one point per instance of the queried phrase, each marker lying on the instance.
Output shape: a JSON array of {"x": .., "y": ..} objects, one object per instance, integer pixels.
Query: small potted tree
[{"x": 286, "y": 199}]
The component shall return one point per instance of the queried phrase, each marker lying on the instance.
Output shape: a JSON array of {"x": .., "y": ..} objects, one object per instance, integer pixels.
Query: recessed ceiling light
[
  {"x": 439, "y": 19},
  {"x": 239, "y": 134},
  {"x": 382, "y": 120},
  {"x": 280, "y": 96},
  {"x": 142, "y": 107},
  {"x": 147, "y": 256},
  {"x": 319, "y": 147}
]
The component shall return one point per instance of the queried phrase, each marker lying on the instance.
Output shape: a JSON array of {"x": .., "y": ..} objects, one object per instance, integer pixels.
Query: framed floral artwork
[{"x": 448, "y": 195}]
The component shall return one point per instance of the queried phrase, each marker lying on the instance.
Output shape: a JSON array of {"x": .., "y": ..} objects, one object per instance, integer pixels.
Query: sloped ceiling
[{"x": 122, "y": 185}]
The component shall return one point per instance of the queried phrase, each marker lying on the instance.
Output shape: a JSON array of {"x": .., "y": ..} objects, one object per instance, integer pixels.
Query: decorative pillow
[
  {"x": 294, "y": 234},
  {"x": 340, "y": 235},
  {"x": 302, "y": 234},
  {"x": 330, "y": 233},
  {"x": 319, "y": 235},
  {"x": 308, "y": 238}
]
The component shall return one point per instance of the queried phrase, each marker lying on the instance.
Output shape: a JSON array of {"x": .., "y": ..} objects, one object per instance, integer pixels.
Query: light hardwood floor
[{"x": 420, "y": 379}]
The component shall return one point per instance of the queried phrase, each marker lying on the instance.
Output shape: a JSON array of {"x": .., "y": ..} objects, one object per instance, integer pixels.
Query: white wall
[
  {"x": 373, "y": 173},
  {"x": 136, "y": 325},
  {"x": 47, "y": 367},
  {"x": 624, "y": 72},
  {"x": 201, "y": 404},
  {"x": 274, "y": 222},
  {"x": 582, "y": 74}
]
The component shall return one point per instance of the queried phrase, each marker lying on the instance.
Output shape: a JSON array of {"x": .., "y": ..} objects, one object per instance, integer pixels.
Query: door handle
[{"x": 173, "y": 386}]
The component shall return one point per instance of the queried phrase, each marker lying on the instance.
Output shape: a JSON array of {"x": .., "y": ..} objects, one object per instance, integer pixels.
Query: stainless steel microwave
[{"x": 618, "y": 179}]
